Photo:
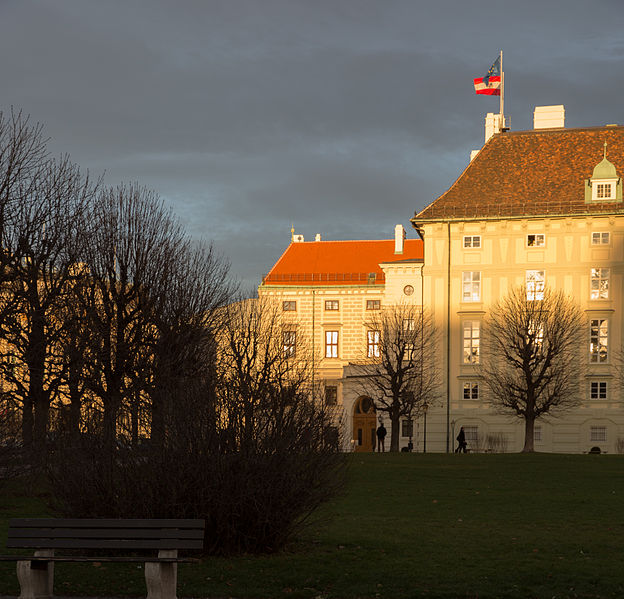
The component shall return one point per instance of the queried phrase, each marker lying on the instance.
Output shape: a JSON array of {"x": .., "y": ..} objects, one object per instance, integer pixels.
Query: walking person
[
  {"x": 381, "y": 436},
  {"x": 461, "y": 441}
]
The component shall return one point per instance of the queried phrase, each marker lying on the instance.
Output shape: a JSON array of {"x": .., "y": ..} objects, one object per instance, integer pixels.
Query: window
[
  {"x": 471, "y": 341},
  {"x": 408, "y": 290},
  {"x": 471, "y": 286},
  {"x": 407, "y": 428},
  {"x": 471, "y": 434},
  {"x": 536, "y": 240},
  {"x": 372, "y": 344},
  {"x": 331, "y": 395},
  {"x": 471, "y": 390},
  {"x": 598, "y": 390},
  {"x": 535, "y": 280},
  {"x": 331, "y": 344},
  {"x": 604, "y": 191},
  {"x": 373, "y": 304},
  {"x": 537, "y": 433},
  {"x": 409, "y": 324},
  {"x": 289, "y": 306},
  {"x": 289, "y": 342},
  {"x": 598, "y": 340},
  {"x": 472, "y": 241},
  {"x": 600, "y": 238},
  {"x": 597, "y": 433},
  {"x": 599, "y": 283},
  {"x": 332, "y": 305}
]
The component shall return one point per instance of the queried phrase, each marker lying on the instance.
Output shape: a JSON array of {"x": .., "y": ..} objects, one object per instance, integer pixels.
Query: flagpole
[{"x": 502, "y": 95}]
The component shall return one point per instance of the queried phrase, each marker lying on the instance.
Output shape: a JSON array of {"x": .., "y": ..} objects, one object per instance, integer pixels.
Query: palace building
[{"x": 538, "y": 208}]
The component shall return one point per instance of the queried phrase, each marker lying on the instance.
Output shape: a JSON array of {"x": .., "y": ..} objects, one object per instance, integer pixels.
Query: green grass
[{"x": 412, "y": 525}]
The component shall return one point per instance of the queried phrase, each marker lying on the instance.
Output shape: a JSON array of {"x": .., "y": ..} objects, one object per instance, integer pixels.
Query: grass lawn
[{"x": 413, "y": 525}]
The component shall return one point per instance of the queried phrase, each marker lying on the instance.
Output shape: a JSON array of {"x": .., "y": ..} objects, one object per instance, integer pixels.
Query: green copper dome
[{"x": 604, "y": 169}]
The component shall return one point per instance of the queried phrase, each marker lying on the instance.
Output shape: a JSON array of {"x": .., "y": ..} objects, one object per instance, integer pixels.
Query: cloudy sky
[{"x": 340, "y": 116}]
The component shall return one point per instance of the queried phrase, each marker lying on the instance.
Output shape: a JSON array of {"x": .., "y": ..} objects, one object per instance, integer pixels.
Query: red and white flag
[{"x": 490, "y": 84}]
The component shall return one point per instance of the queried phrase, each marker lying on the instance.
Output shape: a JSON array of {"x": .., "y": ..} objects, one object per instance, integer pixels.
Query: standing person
[
  {"x": 461, "y": 441},
  {"x": 381, "y": 435}
]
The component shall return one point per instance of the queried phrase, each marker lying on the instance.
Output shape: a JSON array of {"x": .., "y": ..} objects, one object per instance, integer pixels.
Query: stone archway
[{"x": 364, "y": 424}]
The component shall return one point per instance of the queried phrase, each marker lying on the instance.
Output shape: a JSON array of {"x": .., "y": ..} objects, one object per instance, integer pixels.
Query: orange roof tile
[
  {"x": 539, "y": 172},
  {"x": 338, "y": 262}
]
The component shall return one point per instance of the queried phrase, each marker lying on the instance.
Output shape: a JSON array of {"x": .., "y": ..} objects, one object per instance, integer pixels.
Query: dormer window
[
  {"x": 604, "y": 191},
  {"x": 604, "y": 185}
]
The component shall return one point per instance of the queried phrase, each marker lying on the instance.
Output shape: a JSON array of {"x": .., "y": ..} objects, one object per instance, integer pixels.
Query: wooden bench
[{"x": 45, "y": 535}]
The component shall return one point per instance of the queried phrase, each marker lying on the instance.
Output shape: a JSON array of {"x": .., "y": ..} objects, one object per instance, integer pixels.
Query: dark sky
[{"x": 342, "y": 116}]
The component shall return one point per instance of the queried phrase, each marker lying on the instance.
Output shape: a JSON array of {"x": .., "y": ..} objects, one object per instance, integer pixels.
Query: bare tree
[
  {"x": 531, "y": 361},
  {"x": 398, "y": 370},
  {"x": 245, "y": 443},
  {"x": 186, "y": 317},
  {"x": 133, "y": 249},
  {"x": 43, "y": 239}
]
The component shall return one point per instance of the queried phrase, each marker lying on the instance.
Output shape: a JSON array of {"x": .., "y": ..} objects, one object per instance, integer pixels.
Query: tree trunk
[
  {"x": 27, "y": 422},
  {"x": 529, "y": 428},
  {"x": 394, "y": 430}
]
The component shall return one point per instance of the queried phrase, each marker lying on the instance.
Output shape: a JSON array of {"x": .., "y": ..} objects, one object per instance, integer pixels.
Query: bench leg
[
  {"x": 162, "y": 578},
  {"x": 36, "y": 578}
]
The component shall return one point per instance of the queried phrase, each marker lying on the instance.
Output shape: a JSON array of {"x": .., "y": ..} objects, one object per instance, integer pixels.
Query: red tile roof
[
  {"x": 540, "y": 172},
  {"x": 338, "y": 262}
]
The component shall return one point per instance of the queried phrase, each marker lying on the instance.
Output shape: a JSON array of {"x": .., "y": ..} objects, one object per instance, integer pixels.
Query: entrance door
[{"x": 364, "y": 424}]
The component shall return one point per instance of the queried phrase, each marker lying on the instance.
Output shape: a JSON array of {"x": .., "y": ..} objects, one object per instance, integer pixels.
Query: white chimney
[
  {"x": 399, "y": 238},
  {"x": 492, "y": 125},
  {"x": 549, "y": 117},
  {"x": 317, "y": 237}
]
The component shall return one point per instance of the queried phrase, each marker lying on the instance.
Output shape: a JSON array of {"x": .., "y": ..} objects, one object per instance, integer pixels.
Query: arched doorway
[{"x": 364, "y": 424}]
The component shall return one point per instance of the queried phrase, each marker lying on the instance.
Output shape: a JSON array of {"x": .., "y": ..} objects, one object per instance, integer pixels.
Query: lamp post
[
  {"x": 453, "y": 428},
  {"x": 425, "y": 406}
]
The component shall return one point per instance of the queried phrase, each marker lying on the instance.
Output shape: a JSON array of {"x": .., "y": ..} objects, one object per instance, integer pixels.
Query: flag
[{"x": 490, "y": 85}]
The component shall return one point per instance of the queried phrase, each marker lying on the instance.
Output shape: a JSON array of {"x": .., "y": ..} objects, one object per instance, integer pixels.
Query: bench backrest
[{"x": 58, "y": 533}]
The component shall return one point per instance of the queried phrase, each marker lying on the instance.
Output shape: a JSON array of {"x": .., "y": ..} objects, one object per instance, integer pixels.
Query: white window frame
[
  {"x": 409, "y": 325},
  {"x": 289, "y": 343},
  {"x": 331, "y": 344},
  {"x": 599, "y": 189},
  {"x": 471, "y": 341},
  {"x": 536, "y": 240},
  {"x": 472, "y": 241},
  {"x": 600, "y": 238},
  {"x": 373, "y": 304},
  {"x": 471, "y": 286},
  {"x": 535, "y": 284},
  {"x": 598, "y": 390},
  {"x": 289, "y": 305},
  {"x": 332, "y": 305},
  {"x": 372, "y": 343},
  {"x": 599, "y": 340},
  {"x": 471, "y": 388},
  {"x": 597, "y": 434},
  {"x": 599, "y": 283}
]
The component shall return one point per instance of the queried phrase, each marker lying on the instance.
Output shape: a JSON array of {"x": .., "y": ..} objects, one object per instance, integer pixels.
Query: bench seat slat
[
  {"x": 82, "y": 558},
  {"x": 47, "y": 543},
  {"x": 106, "y": 523},
  {"x": 104, "y": 533}
]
